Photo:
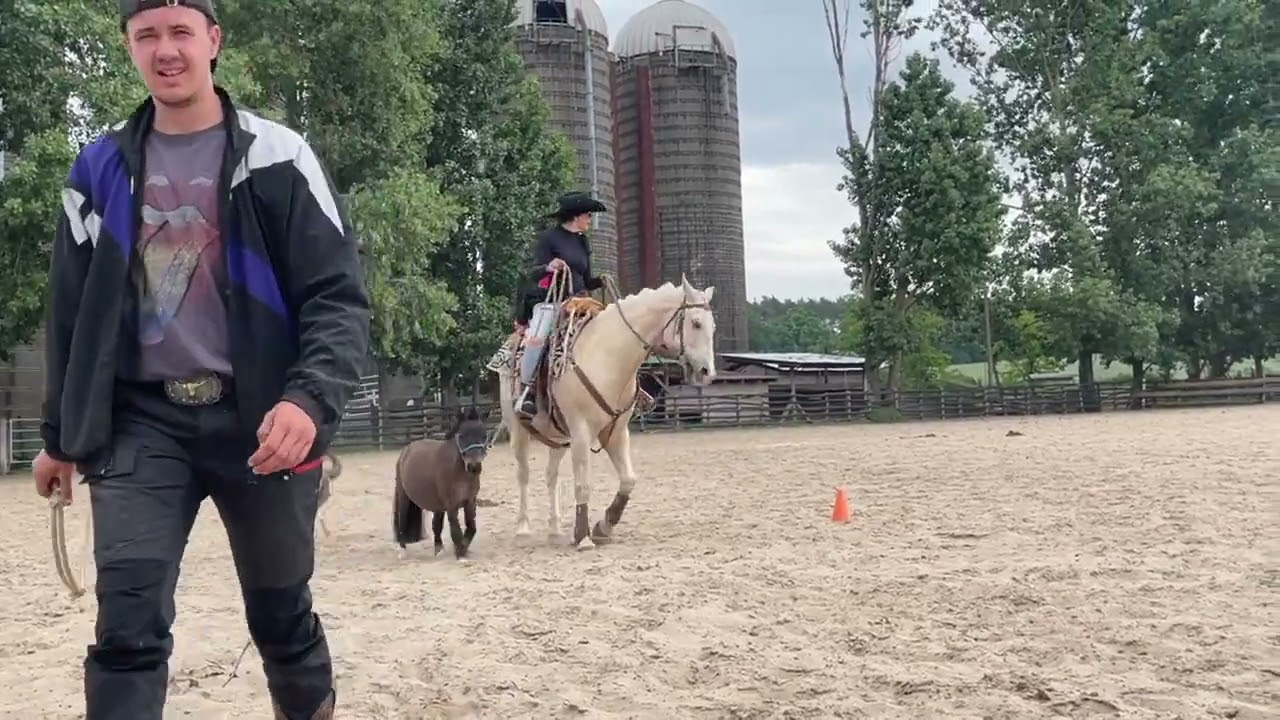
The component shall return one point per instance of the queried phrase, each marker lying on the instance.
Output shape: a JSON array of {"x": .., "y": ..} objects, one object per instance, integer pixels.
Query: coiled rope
[{"x": 72, "y": 580}]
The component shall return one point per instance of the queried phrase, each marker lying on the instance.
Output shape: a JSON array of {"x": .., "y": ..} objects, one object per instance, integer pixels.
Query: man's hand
[
  {"x": 556, "y": 265},
  {"x": 284, "y": 439},
  {"x": 53, "y": 475}
]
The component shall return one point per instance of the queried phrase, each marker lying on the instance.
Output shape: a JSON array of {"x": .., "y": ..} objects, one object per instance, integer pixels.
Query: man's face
[{"x": 172, "y": 48}]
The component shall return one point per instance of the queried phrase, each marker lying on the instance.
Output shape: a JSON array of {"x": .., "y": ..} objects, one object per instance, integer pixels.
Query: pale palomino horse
[{"x": 672, "y": 321}]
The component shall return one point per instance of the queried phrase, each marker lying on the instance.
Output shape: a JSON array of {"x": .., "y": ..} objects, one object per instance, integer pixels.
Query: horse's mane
[{"x": 648, "y": 292}]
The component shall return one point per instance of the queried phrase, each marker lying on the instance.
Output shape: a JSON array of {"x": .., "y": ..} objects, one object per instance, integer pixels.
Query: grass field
[{"x": 1116, "y": 373}]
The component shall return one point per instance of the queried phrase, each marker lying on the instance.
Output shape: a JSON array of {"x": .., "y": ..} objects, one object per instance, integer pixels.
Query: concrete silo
[
  {"x": 679, "y": 158},
  {"x": 565, "y": 45}
]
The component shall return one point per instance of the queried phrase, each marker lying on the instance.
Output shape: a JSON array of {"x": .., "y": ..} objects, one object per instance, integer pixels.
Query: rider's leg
[{"x": 535, "y": 337}]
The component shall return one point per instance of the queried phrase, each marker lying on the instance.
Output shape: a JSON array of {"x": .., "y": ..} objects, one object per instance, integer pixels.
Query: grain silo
[
  {"x": 679, "y": 158},
  {"x": 565, "y": 45}
]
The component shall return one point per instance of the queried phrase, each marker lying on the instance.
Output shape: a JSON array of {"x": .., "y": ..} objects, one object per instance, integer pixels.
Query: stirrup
[{"x": 521, "y": 400}]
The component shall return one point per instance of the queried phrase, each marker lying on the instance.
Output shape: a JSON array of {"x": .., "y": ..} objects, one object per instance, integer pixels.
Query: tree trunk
[
  {"x": 1139, "y": 369},
  {"x": 1219, "y": 366},
  {"x": 1088, "y": 385},
  {"x": 993, "y": 372},
  {"x": 895, "y": 376},
  {"x": 1259, "y": 367},
  {"x": 1195, "y": 368},
  {"x": 874, "y": 396}
]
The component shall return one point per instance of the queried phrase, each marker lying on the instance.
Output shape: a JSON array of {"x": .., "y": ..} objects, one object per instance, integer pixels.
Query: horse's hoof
[
  {"x": 585, "y": 544},
  {"x": 402, "y": 553},
  {"x": 600, "y": 535},
  {"x": 522, "y": 529}
]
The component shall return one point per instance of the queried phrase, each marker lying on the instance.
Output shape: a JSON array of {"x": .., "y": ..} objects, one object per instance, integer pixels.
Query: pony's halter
[{"x": 462, "y": 450}]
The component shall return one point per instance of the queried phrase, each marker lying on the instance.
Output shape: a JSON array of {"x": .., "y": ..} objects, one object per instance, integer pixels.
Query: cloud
[
  {"x": 790, "y": 213},
  {"x": 791, "y": 124}
]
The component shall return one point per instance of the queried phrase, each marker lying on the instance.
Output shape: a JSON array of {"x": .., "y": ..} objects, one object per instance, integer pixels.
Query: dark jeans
[{"x": 164, "y": 461}]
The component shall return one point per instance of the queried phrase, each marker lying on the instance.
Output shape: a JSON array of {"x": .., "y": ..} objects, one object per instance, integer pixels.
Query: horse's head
[
  {"x": 472, "y": 439},
  {"x": 690, "y": 338}
]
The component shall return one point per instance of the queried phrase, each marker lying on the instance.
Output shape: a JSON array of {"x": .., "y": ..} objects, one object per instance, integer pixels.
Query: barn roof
[{"x": 797, "y": 361}]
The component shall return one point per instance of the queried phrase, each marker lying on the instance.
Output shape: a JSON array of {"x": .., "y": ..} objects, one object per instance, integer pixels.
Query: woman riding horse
[{"x": 561, "y": 248}]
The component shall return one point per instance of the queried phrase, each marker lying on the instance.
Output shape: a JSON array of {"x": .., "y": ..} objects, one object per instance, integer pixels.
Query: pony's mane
[{"x": 472, "y": 414}]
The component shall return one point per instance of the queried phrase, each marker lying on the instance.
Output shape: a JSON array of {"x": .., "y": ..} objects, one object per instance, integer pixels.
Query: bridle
[{"x": 661, "y": 348}]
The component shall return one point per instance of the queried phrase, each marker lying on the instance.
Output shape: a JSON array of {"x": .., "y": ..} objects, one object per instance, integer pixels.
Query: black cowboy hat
[
  {"x": 574, "y": 204},
  {"x": 129, "y": 8}
]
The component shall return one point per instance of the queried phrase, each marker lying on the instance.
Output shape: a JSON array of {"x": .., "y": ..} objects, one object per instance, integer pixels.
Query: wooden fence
[
  {"x": 693, "y": 409},
  {"x": 373, "y": 428}
]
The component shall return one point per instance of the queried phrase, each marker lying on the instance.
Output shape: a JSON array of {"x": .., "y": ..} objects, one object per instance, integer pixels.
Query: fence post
[{"x": 6, "y": 446}]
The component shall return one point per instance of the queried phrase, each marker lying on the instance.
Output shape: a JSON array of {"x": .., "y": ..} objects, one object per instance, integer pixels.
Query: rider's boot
[{"x": 525, "y": 406}]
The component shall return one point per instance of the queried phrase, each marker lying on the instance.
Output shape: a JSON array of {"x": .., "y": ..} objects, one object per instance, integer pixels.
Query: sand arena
[{"x": 1112, "y": 566}]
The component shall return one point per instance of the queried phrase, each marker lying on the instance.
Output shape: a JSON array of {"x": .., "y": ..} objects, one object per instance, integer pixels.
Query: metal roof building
[
  {"x": 679, "y": 184},
  {"x": 565, "y": 44}
]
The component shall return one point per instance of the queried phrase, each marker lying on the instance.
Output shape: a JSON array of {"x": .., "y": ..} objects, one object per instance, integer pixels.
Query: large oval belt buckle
[{"x": 194, "y": 392}]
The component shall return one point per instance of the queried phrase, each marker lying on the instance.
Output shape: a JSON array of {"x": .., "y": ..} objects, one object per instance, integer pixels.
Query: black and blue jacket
[{"x": 297, "y": 306}]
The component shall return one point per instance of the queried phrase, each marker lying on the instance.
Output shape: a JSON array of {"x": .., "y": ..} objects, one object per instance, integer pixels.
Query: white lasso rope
[{"x": 73, "y": 581}]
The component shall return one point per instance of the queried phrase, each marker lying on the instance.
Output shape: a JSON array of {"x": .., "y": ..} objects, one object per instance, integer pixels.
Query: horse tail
[{"x": 406, "y": 516}]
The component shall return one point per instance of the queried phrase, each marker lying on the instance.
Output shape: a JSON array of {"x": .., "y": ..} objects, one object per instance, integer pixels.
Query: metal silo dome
[
  {"x": 582, "y": 14},
  {"x": 679, "y": 159},
  {"x": 670, "y": 25}
]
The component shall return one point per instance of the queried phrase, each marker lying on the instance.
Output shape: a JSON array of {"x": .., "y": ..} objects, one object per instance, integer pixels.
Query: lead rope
[{"x": 74, "y": 582}]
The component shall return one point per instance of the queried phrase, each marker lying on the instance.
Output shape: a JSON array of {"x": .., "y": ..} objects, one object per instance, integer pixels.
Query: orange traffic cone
[{"x": 840, "y": 511}]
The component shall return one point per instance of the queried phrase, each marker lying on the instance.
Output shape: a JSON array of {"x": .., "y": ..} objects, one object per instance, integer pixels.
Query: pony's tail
[{"x": 406, "y": 517}]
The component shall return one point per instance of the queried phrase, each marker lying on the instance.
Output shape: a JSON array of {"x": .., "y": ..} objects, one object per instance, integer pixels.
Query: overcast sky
[{"x": 789, "y": 103}]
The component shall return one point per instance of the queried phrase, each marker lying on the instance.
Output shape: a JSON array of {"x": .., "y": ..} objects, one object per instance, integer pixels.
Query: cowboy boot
[{"x": 324, "y": 712}]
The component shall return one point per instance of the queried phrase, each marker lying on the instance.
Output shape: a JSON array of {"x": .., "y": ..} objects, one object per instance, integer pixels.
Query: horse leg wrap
[
  {"x": 580, "y": 523},
  {"x": 612, "y": 516}
]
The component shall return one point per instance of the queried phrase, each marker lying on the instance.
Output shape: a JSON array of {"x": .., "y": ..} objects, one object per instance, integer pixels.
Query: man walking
[{"x": 207, "y": 325}]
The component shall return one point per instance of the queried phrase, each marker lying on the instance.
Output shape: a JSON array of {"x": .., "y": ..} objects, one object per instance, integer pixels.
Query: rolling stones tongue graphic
[{"x": 170, "y": 251}]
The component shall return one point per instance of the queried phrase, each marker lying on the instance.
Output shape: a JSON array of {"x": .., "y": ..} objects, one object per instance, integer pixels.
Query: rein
[{"x": 661, "y": 349}]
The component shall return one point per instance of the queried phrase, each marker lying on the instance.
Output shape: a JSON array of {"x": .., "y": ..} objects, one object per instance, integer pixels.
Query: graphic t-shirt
[{"x": 178, "y": 270}]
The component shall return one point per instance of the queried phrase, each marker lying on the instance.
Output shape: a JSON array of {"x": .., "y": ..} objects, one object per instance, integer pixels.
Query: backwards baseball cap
[{"x": 129, "y": 8}]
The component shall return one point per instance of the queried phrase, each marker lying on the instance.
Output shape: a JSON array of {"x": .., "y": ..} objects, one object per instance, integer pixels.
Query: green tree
[
  {"x": 1028, "y": 347},
  {"x": 84, "y": 83},
  {"x": 887, "y": 23},
  {"x": 490, "y": 144},
  {"x": 403, "y": 220},
  {"x": 1208, "y": 70},
  {"x": 808, "y": 325},
  {"x": 1049, "y": 83},
  {"x": 938, "y": 200},
  {"x": 352, "y": 77}
]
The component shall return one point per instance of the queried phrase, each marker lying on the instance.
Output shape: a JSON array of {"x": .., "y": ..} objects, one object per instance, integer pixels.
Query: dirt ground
[{"x": 1113, "y": 566}]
